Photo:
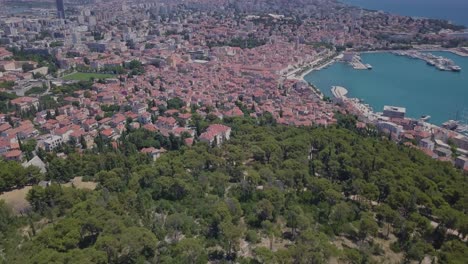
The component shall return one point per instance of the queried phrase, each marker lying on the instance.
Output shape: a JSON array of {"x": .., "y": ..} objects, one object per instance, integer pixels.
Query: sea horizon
[{"x": 452, "y": 10}]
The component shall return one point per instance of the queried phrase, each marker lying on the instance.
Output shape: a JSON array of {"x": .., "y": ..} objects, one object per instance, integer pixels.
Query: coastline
[
  {"x": 339, "y": 92},
  {"x": 313, "y": 68},
  {"x": 365, "y": 109},
  {"x": 424, "y": 49},
  {"x": 310, "y": 67}
]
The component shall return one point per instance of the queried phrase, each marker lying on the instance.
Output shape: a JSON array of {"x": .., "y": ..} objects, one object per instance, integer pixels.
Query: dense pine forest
[{"x": 272, "y": 194}]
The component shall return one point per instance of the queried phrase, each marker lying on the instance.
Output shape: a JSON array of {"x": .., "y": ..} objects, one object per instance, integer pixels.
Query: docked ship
[{"x": 456, "y": 68}]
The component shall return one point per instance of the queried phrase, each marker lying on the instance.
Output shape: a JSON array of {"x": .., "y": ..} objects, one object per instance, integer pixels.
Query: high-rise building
[{"x": 60, "y": 9}]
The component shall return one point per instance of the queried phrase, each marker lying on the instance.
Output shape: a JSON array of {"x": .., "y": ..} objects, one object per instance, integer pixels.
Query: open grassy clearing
[{"x": 84, "y": 76}]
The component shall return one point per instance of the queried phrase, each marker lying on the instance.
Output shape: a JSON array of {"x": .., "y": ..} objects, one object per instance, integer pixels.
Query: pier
[
  {"x": 355, "y": 61},
  {"x": 339, "y": 92},
  {"x": 358, "y": 65},
  {"x": 365, "y": 110},
  {"x": 441, "y": 63}
]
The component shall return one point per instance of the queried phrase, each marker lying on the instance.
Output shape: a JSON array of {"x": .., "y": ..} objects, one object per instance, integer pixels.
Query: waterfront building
[
  {"x": 348, "y": 56},
  {"x": 394, "y": 112},
  {"x": 450, "y": 125}
]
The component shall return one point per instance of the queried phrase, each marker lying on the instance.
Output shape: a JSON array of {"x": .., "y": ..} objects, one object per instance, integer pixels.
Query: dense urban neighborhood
[
  {"x": 193, "y": 124},
  {"x": 111, "y": 65}
]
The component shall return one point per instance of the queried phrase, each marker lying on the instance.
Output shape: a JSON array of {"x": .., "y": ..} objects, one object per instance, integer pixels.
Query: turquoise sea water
[
  {"x": 452, "y": 10},
  {"x": 401, "y": 81}
]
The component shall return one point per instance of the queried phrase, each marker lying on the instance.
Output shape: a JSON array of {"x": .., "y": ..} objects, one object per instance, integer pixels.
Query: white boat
[
  {"x": 369, "y": 67},
  {"x": 456, "y": 68},
  {"x": 441, "y": 67},
  {"x": 425, "y": 117}
]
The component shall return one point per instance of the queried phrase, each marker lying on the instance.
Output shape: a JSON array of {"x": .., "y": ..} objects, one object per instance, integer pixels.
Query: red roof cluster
[{"x": 214, "y": 130}]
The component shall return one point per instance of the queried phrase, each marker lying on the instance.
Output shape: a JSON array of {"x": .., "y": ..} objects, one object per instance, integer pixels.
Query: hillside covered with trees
[{"x": 272, "y": 194}]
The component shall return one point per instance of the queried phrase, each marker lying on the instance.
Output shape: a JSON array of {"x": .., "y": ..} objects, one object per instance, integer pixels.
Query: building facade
[{"x": 60, "y": 9}]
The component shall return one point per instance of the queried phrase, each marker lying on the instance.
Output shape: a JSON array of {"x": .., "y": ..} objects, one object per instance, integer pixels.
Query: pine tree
[
  {"x": 19, "y": 142},
  {"x": 83, "y": 143}
]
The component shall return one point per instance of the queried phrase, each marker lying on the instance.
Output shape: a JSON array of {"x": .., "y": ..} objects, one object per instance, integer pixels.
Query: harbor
[
  {"x": 355, "y": 61},
  {"x": 394, "y": 122},
  {"x": 457, "y": 126},
  {"x": 397, "y": 80},
  {"x": 441, "y": 63}
]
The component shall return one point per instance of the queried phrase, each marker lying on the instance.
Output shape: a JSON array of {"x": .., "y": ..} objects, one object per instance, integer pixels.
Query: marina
[
  {"x": 457, "y": 126},
  {"x": 441, "y": 63}
]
